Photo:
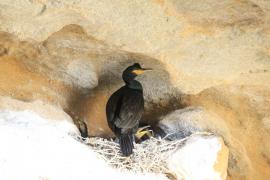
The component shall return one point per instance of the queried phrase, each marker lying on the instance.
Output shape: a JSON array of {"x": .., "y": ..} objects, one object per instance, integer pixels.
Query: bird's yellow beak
[
  {"x": 140, "y": 71},
  {"x": 143, "y": 131}
]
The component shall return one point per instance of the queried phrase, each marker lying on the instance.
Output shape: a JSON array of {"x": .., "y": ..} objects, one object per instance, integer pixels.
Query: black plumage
[{"x": 125, "y": 108}]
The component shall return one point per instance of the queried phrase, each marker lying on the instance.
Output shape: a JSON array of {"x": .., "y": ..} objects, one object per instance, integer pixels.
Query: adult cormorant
[{"x": 125, "y": 107}]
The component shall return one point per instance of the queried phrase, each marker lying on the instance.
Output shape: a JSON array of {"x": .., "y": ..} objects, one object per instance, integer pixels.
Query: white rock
[
  {"x": 183, "y": 122},
  {"x": 36, "y": 148},
  {"x": 201, "y": 158}
]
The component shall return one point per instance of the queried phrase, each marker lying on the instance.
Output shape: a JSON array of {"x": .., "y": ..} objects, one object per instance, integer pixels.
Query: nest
[{"x": 150, "y": 156}]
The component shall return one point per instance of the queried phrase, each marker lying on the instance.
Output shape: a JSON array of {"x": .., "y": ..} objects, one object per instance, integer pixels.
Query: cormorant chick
[{"x": 125, "y": 108}]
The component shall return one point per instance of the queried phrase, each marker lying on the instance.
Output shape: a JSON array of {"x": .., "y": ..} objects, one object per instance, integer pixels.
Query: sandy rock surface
[{"x": 212, "y": 54}]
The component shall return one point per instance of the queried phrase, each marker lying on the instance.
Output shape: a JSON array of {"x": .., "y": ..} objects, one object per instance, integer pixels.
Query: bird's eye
[{"x": 137, "y": 65}]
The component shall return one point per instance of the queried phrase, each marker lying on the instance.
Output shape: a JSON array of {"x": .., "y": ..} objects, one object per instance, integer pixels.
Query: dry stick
[{"x": 149, "y": 157}]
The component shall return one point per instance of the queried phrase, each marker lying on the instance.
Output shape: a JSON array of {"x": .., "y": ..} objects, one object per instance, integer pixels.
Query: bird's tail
[{"x": 126, "y": 144}]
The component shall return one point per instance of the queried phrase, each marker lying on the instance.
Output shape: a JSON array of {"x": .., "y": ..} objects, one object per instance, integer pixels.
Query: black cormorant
[{"x": 125, "y": 107}]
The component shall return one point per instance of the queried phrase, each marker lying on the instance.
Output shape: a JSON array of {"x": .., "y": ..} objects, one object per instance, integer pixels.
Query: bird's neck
[{"x": 134, "y": 85}]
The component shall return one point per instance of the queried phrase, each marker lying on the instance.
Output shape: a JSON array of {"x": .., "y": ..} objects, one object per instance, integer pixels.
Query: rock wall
[
  {"x": 213, "y": 54},
  {"x": 245, "y": 111}
]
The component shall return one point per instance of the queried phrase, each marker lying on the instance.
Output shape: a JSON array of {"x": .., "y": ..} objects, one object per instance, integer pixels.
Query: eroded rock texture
[
  {"x": 214, "y": 55},
  {"x": 211, "y": 160}
]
